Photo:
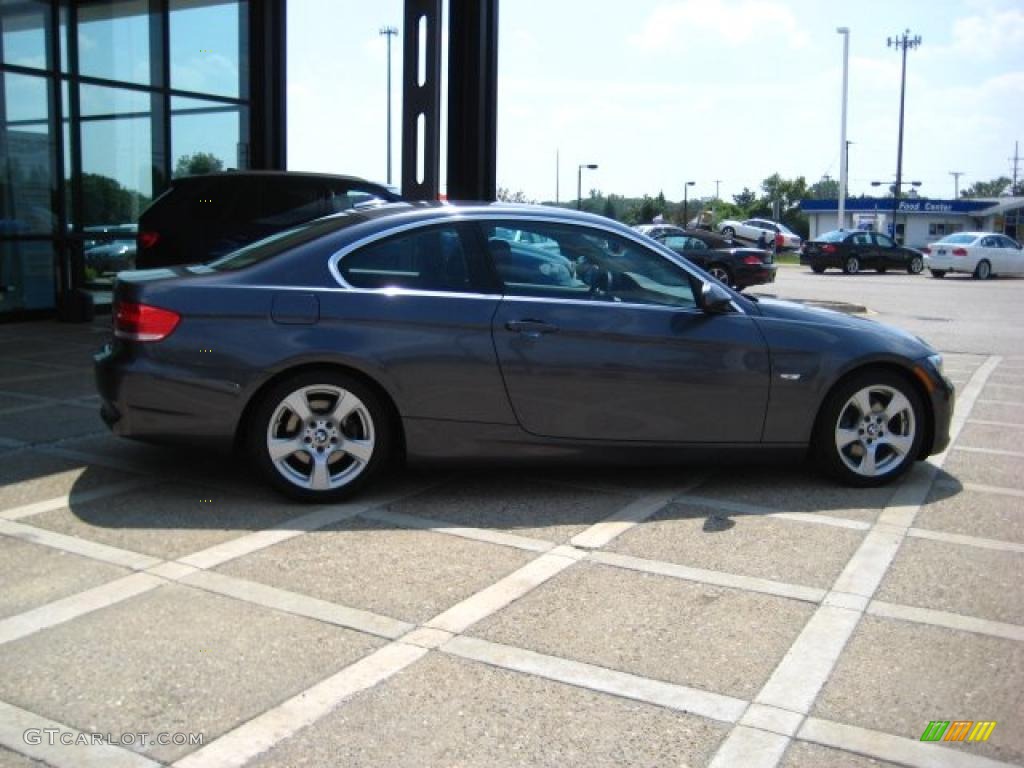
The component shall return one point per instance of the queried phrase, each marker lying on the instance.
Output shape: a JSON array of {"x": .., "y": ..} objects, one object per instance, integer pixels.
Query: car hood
[{"x": 793, "y": 311}]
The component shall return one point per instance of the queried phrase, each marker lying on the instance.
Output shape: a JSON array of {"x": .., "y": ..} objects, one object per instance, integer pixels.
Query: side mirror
[{"x": 714, "y": 299}]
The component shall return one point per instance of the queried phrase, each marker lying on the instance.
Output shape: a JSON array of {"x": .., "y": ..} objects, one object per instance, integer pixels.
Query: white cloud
[{"x": 734, "y": 23}]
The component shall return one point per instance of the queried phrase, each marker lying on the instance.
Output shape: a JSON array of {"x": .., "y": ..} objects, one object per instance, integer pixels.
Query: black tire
[
  {"x": 881, "y": 270},
  {"x": 369, "y": 424},
  {"x": 938, "y": 273},
  {"x": 983, "y": 271},
  {"x": 852, "y": 265},
  {"x": 818, "y": 270},
  {"x": 729, "y": 232},
  {"x": 916, "y": 265},
  {"x": 839, "y": 414},
  {"x": 721, "y": 273}
]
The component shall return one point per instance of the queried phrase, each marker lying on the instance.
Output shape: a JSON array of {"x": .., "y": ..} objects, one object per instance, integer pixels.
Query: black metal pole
[
  {"x": 899, "y": 148},
  {"x": 579, "y": 188},
  {"x": 686, "y": 203}
]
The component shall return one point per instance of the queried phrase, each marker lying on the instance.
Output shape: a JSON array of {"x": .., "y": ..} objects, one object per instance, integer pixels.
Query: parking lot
[{"x": 161, "y": 607}]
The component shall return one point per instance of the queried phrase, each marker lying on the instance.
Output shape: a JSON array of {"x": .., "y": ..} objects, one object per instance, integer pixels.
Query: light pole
[
  {"x": 579, "y": 182},
  {"x": 846, "y": 186},
  {"x": 896, "y": 203},
  {"x": 903, "y": 44},
  {"x": 389, "y": 32},
  {"x": 686, "y": 201},
  {"x": 843, "y": 146},
  {"x": 956, "y": 183}
]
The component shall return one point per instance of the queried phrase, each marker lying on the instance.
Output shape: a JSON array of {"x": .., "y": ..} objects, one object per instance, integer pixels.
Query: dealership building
[{"x": 919, "y": 221}]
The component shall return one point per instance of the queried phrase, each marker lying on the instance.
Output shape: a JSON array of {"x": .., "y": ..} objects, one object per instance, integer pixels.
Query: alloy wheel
[{"x": 875, "y": 431}]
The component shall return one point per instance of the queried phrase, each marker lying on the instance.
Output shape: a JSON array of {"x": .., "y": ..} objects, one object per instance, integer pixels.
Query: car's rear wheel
[
  {"x": 720, "y": 273},
  {"x": 915, "y": 266},
  {"x": 983, "y": 271},
  {"x": 817, "y": 270},
  {"x": 881, "y": 270},
  {"x": 729, "y": 232},
  {"x": 319, "y": 436},
  {"x": 851, "y": 266},
  {"x": 938, "y": 273},
  {"x": 870, "y": 429}
]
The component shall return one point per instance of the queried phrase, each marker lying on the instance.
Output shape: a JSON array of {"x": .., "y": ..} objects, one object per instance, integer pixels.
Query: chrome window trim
[{"x": 481, "y": 216}]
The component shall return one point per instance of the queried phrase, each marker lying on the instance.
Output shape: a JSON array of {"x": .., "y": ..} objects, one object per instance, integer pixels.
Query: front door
[{"x": 615, "y": 348}]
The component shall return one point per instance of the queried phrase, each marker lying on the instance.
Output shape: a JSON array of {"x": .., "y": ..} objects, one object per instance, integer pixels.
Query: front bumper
[{"x": 942, "y": 399}]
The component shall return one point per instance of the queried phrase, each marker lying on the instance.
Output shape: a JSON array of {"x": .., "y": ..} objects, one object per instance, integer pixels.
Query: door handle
[{"x": 532, "y": 329}]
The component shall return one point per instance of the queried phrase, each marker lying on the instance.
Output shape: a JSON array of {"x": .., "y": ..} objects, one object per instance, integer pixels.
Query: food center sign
[{"x": 917, "y": 206}]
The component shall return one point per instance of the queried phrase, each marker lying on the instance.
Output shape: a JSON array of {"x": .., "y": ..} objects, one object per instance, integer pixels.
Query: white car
[
  {"x": 752, "y": 229},
  {"x": 981, "y": 254}
]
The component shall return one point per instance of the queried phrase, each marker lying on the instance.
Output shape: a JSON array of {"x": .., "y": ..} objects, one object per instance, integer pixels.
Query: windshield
[{"x": 958, "y": 239}]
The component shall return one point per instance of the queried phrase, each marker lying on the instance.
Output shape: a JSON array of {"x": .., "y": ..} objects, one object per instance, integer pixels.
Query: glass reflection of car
[
  {"x": 852, "y": 250},
  {"x": 399, "y": 332},
  {"x": 724, "y": 259},
  {"x": 979, "y": 254},
  {"x": 109, "y": 247}
]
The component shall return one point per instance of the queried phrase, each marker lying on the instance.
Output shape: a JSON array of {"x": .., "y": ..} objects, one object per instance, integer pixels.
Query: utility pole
[
  {"x": 389, "y": 32},
  {"x": 557, "y": 173},
  {"x": 1016, "y": 166},
  {"x": 845, "y": 32},
  {"x": 714, "y": 202},
  {"x": 903, "y": 44},
  {"x": 956, "y": 183}
]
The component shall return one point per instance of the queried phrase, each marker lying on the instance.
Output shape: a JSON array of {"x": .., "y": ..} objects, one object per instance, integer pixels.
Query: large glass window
[
  {"x": 113, "y": 40},
  {"x": 26, "y": 146},
  {"x": 23, "y": 25},
  {"x": 26, "y": 275},
  {"x": 207, "y": 37},
  {"x": 206, "y": 136}
]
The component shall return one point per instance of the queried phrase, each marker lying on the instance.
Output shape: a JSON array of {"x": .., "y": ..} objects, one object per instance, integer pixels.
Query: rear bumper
[
  {"x": 750, "y": 274},
  {"x": 139, "y": 402},
  {"x": 950, "y": 263}
]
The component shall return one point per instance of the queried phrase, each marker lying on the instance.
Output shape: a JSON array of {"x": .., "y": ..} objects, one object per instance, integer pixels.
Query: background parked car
[
  {"x": 202, "y": 217},
  {"x": 752, "y": 229},
  {"x": 735, "y": 265},
  {"x": 980, "y": 254},
  {"x": 852, "y": 250}
]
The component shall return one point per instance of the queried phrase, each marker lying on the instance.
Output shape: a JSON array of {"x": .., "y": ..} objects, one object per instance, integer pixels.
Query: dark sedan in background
[
  {"x": 734, "y": 264},
  {"x": 501, "y": 333},
  {"x": 852, "y": 250}
]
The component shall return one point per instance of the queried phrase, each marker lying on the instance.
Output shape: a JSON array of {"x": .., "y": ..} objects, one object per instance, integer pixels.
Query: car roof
[{"x": 277, "y": 175}]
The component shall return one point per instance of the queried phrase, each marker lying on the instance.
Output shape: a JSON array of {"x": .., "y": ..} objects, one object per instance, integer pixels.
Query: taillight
[
  {"x": 926, "y": 249},
  {"x": 752, "y": 259},
  {"x": 148, "y": 239},
  {"x": 828, "y": 248},
  {"x": 142, "y": 322},
  {"x": 959, "y": 251}
]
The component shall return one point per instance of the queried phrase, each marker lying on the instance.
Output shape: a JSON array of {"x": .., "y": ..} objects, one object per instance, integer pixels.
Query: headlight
[{"x": 936, "y": 361}]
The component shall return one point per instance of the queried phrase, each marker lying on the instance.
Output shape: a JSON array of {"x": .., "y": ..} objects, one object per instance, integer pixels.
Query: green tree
[
  {"x": 105, "y": 201},
  {"x": 994, "y": 188},
  {"x": 505, "y": 195},
  {"x": 746, "y": 198},
  {"x": 198, "y": 163},
  {"x": 826, "y": 189}
]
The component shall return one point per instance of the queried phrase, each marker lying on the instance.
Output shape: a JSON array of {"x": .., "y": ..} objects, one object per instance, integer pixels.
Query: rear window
[
  {"x": 835, "y": 236},
  {"x": 958, "y": 239},
  {"x": 268, "y": 247}
]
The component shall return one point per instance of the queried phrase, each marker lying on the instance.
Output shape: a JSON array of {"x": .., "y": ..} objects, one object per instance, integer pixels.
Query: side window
[
  {"x": 287, "y": 202},
  {"x": 862, "y": 238},
  {"x": 1007, "y": 242},
  {"x": 425, "y": 260},
  {"x": 884, "y": 241},
  {"x": 989, "y": 242},
  {"x": 588, "y": 264}
]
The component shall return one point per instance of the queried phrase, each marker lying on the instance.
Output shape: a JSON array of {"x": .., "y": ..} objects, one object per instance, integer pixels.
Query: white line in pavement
[
  {"x": 773, "y": 719},
  {"x": 887, "y": 747},
  {"x": 81, "y": 497},
  {"x": 634, "y": 513},
  {"x": 807, "y": 665},
  {"x": 988, "y": 401},
  {"x": 947, "y": 620},
  {"x": 298, "y": 604},
  {"x": 84, "y": 547},
  {"x": 867, "y": 567},
  {"x": 967, "y": 541},
  {"x": 18, "y": 727},
  {"x": 260, "y": 734},
  {"x": 750, "y": 748},
  {"x": 1007, "y": 386},
  {"x": 678, "y": 697},
  {"x": 475, "y": 534},
  {"x": 993, "y": 489},
  {"x": 742, "y": 508},
  {"x": 990, "y": 451},
  {"x": 65, "y": 609},
  {"x": 491, "y": 599},
  {"x": 715, "y": 578},
  {"x": 989, "y": 423}
]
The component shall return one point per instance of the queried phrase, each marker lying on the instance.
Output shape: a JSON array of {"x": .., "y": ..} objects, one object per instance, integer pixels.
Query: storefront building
[
  {"x": 101, "y": 104},
  {"x": 919, "y": 221}
]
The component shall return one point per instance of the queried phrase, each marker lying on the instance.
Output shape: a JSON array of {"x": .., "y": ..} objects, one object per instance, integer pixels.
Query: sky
[{"x": 660, "y": 92}]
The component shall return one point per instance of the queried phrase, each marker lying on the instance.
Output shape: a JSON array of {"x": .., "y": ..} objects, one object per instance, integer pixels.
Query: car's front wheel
[
  {"x": 870, "y": 429},
  {"x": 319, "y": 436},
  {"x": 818, "y": 270},
  {"x": 938, "y": 273},
  {"x": 915, "y": 266}
]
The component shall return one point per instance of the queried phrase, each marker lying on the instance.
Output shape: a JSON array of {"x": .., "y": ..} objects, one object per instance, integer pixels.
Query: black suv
[{"x": 202, "y": 217}]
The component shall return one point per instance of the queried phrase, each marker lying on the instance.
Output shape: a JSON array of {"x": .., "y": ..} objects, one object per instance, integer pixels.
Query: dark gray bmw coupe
[{"x": 501, "y": 332}]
